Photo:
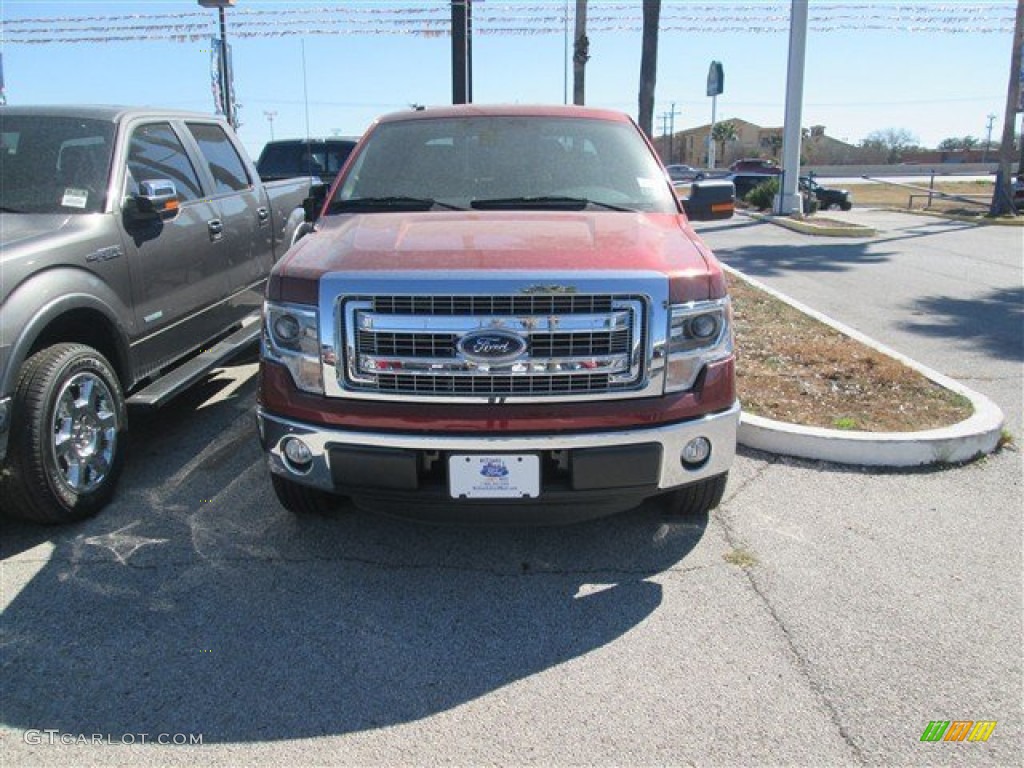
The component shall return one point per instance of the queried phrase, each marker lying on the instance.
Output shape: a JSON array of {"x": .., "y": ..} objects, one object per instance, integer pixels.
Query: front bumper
[{"x": 582, "y": 475}]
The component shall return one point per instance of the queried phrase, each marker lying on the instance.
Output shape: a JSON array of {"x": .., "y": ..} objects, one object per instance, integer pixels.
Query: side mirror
[
  {"x": 710, "y": 200},
  {"x": 157, "y": 199},
  {"x": 312, "y": 205}
]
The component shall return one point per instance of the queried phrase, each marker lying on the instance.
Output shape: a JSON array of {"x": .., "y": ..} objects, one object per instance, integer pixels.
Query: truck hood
[
  {"x": 15, "y": 228},
  {"x": 508, "y": 240}
]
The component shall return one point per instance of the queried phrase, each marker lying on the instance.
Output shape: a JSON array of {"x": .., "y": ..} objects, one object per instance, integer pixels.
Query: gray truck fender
[
  {"x": 60, "y": 291},
  {"x": 295, "y": 228}
]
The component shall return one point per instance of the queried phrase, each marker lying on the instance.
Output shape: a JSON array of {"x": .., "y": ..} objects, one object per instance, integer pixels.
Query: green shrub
[{"x": 763, "y": 195}]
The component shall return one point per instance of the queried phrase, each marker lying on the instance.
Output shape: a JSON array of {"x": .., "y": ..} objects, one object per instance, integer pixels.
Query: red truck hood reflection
[{"x": 532, "y": 241}]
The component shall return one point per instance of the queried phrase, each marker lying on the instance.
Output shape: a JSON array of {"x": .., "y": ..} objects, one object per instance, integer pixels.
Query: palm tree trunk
[{"x": 649, "y": 65}]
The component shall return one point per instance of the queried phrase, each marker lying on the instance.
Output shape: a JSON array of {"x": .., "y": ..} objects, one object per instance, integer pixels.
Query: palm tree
[{"x": 723, "y": 132}]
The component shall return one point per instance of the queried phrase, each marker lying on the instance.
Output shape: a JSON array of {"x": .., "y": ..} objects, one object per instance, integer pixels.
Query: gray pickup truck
[{"x": 136, "y": 244}]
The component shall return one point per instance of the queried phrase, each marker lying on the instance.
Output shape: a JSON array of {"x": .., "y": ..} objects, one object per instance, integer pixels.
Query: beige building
[{"x": 690, "y": 147}]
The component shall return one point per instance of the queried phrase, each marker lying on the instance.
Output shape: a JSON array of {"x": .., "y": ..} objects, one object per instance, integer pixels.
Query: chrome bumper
[{"x": 719, "y": 428}]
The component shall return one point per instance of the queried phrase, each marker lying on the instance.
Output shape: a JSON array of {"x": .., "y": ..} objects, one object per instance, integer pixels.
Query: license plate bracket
[{"x": 494, "y": 476}]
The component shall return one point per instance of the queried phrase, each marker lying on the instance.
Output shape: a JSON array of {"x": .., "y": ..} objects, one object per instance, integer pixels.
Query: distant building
[{"x": 690, "y": 147}]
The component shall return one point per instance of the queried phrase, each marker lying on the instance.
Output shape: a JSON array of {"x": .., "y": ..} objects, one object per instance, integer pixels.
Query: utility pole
[
  {"x": 672, "y": 132},
  {"x": 988, "y": 139},
  {"x": 270, "y": 115},
  {"x": 581, "y": 54},
  {"x": 1002, "y": 196},
  {"x": 460, "y": 68},
  {"x": 664, "y": 133}
]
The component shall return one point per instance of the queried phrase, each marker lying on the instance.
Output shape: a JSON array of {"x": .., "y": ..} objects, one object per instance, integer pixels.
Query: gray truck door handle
[
  {"x": 216, "y": 227},
  {"x": 263, "y": 214}
]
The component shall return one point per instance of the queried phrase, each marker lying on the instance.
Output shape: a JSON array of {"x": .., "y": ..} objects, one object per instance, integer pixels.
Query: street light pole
[
  {"x": 988, "y": 139},
  {"x": 225, "y": 73}
]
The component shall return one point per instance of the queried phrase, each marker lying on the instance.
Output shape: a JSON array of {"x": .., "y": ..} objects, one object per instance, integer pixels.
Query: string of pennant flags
[
  {"x": 928, "y": 9},
  {"x": 433, "y": 20},
  {"x": 593, "y": 22}
]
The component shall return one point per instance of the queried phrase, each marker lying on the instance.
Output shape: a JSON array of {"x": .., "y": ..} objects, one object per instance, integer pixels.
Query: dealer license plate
[{"x": 494, "y": 476}]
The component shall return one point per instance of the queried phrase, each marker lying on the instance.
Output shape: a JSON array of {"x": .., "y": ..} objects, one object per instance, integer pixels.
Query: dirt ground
[{"x": 793, "y": 368}]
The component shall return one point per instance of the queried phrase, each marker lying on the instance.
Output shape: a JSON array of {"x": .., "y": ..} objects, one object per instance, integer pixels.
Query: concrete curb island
[
  {"x": 976, "y": 436},
  {"x": 847, "y": 230}
]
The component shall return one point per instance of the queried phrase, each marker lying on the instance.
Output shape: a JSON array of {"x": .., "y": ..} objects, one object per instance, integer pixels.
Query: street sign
[{"x": 716, "y": 79}]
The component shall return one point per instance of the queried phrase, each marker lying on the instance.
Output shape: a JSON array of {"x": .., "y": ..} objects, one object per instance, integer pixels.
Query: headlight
[
  {"x": 699, "y": 333},
  {"x": 291, "y": 337}
]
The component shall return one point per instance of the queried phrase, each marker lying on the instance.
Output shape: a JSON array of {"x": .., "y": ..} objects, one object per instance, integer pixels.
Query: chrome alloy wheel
[{"x": 84, "y": 428}]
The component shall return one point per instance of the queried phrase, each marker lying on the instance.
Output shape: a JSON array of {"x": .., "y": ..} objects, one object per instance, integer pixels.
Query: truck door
[
  {"x": 244, "y": 210},
  {"x": 177, "y": 279}
]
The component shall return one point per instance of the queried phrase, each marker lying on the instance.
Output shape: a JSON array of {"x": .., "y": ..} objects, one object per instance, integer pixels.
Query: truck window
[
  {"x": 155, "y": 152},
  {"x": 229, "y": 174},
  {"x": 54, "y": 164}
]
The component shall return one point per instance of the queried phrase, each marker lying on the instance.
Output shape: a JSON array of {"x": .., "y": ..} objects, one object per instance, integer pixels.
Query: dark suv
[
  {"x": 827, "y": 196},
  {"x": 755, "y": 165},
  {"x": 288, "y": 158}
]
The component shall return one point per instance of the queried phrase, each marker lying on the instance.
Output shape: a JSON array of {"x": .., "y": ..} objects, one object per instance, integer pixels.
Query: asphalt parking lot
[{"x": 823, "y": 615}]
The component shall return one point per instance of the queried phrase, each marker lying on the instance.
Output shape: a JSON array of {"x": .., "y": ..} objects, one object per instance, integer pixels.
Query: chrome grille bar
[{"x": 555, "y": 337}]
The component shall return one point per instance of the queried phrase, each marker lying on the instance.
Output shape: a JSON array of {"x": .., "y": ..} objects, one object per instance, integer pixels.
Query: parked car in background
[
  {"x": 756, "y": 165},
  {"x": 134, "y": 249},
  {"x": 684, "y": 173},
  {"x": 826, "y": 196},
  {"x": 289, "y": 158},
  {"x": 1018, "y": 192}
]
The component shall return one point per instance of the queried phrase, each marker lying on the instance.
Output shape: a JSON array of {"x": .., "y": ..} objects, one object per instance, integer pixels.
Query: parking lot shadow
[
  {"x": 196, "y": 605},
  {"x": 994, "y": 322},
  {"x": 767, "y": 260}
]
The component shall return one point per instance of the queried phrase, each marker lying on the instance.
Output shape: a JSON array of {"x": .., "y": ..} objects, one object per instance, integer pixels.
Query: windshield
[
  {"x": 493, "y": 162},
  {"x": 54, "y": 164}
]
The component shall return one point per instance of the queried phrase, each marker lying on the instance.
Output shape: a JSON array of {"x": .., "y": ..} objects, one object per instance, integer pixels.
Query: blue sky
[{"x": 909, "y": 74}]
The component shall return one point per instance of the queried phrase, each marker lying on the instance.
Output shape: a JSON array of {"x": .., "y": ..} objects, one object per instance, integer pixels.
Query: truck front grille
[{"x": 561, "y": 345}]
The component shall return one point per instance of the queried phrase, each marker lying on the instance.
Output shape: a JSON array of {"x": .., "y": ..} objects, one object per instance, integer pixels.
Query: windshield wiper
[
  {"x": 5, "y": 209},
  {"x": 388, "y": 203},
  {"x": 545, "y": 201}
]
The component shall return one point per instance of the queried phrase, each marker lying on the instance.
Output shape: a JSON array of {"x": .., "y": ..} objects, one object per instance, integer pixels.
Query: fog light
[
  {"x": 297, "y": 454},
  {"x": 696, "y": 452}
]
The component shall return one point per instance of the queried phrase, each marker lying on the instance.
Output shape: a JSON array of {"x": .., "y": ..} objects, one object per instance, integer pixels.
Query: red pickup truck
[{"x": 503, "y": 313}]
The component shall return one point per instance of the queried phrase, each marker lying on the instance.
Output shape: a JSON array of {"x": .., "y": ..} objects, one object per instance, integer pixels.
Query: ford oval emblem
[{"x": 493, "y": 346}]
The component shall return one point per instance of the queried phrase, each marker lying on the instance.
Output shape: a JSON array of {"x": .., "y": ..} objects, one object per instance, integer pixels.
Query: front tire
[
  {"x": 67, "y": 442},
  {"x": 698, "y": 499}
]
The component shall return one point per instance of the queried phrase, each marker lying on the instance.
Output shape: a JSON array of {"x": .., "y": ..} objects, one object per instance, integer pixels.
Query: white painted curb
[{"x": 975, "y": 436}]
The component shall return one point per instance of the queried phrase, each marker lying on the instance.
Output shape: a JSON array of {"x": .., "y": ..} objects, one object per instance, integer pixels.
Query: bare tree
[
  {"x": 894, "y": 142},
  {"x": 649, "y": 65}
]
